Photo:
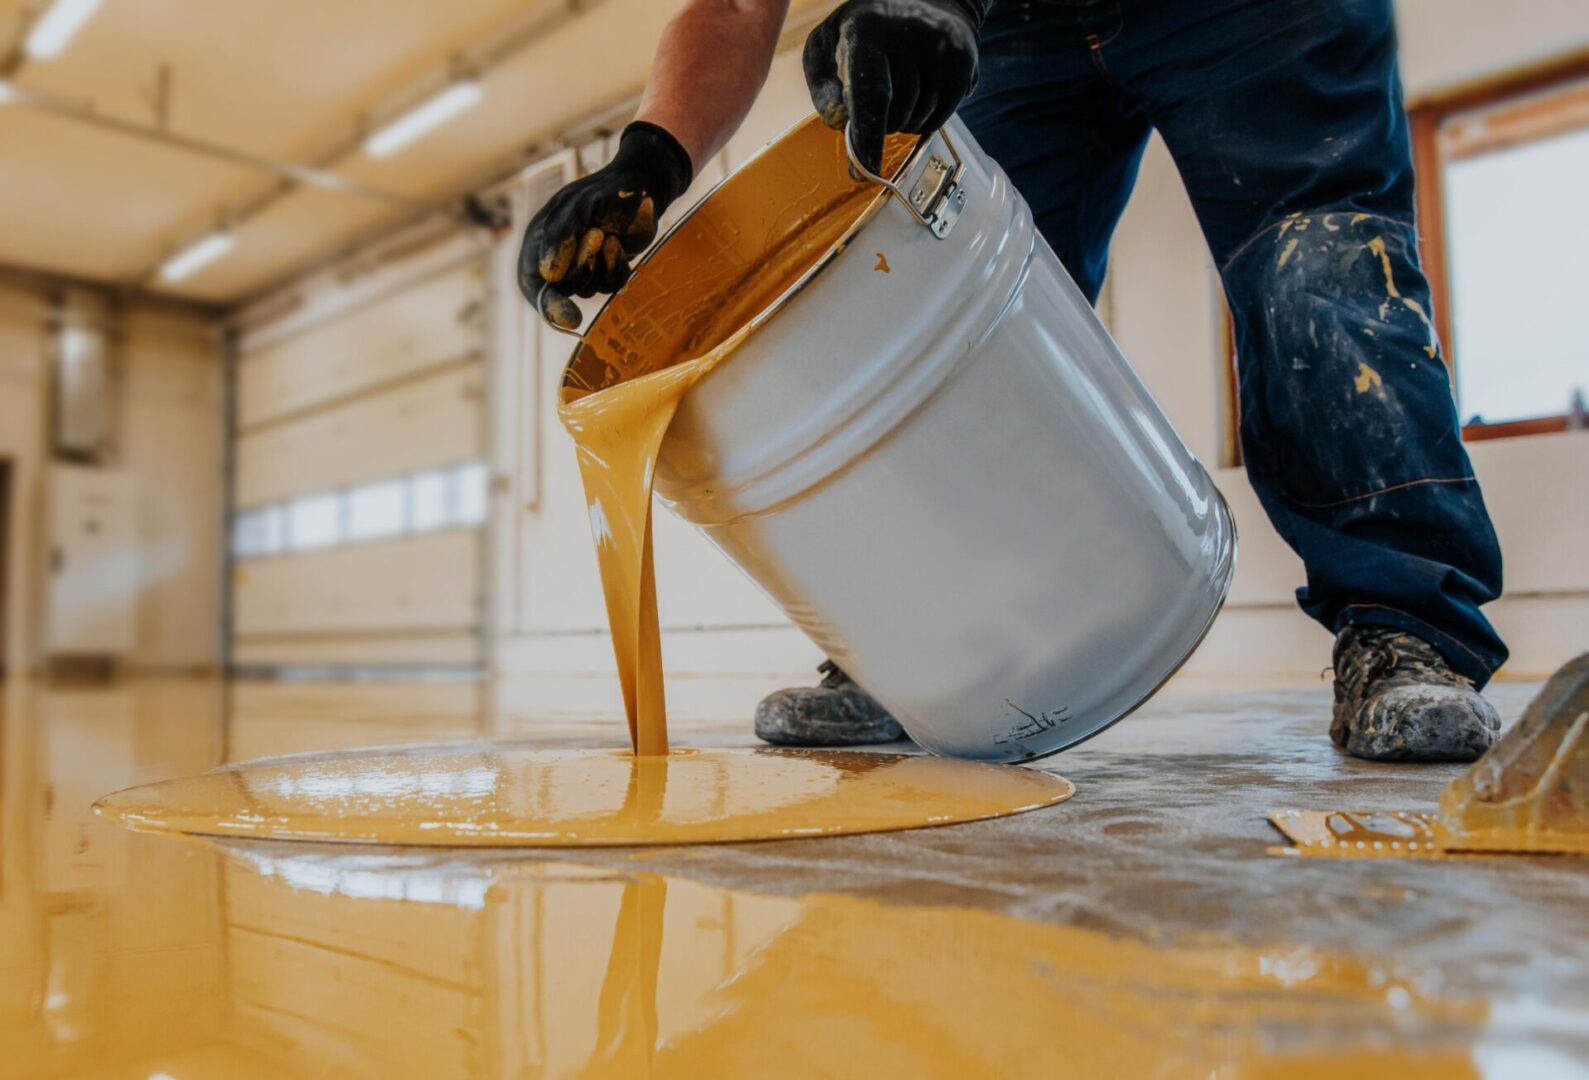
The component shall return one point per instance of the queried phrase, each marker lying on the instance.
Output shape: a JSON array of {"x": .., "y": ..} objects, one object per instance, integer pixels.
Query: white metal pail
[{"x": 936, "y": 461}]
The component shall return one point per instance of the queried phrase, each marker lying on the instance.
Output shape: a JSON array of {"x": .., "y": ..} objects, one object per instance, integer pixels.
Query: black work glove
[
  {"x": 582, "y": 240},
  {"x": 885, "y": 66}
]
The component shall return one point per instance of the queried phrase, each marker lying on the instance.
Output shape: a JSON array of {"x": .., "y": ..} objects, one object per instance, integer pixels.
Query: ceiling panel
[
  {"x": 592, "y": 62},
  {"x": 274, "y": 77},
  {"x": 300, "y": 229},
  {"x": 282, "y": 79},
  {"x": 77, "y": 201}
]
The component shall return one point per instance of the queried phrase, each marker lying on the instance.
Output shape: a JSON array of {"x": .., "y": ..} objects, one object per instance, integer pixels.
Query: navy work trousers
[{"x": 1285, "y": 119}]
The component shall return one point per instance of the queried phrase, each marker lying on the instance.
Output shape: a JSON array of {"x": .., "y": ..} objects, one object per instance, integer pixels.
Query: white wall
[
  {"x": 1446, "y": 43},
  {"x": 368, "y": 372},
  {"x": 23, "y": 348},
  {"x": 725, "y": 645},
  {"x": 169, "y": 438}
]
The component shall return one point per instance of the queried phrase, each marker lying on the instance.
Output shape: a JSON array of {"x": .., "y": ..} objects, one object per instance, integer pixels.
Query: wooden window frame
[
  {"x": 1513, "y": 93},
  {"x": 1427, "y": 117}
]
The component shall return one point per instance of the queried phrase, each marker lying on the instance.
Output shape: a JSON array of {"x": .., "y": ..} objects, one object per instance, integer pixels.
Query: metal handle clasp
[{"x": 938, "y": 198}]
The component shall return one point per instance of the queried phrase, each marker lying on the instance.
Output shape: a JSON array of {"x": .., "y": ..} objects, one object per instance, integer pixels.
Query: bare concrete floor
[{"x": 1142, "y": 928}]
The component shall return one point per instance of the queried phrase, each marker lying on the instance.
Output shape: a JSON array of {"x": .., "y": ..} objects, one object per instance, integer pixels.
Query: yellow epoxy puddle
[{"x": 504, "y": 796}]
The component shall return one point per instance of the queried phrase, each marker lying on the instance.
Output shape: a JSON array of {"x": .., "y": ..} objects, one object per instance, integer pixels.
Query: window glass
[
  {"x": 469, "y": 484},
  {"x": 314, "y": 522},
  {"x": 256, "y": 533},
  {"x": 273, "y": 530},
  {"x": 424, "y": 501},
  {"x": 376, "y": 511},
  {"x": 427, "y": 495},
  {"x": 247, "y": 528},
  {"x": 1517, "y": 289}
]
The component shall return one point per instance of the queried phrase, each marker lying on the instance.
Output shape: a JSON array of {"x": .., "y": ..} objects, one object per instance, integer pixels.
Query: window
[
  {"x": 1502, "y": 169},
  {"x": 314, "y": 522},
  {"x": 427, "y": 492},
  {"x": 258, "y": 532},
  {"x": 376, "y": 511},
  {"x": 455, "y": 497},
  {"x": 469, "y": 495}
]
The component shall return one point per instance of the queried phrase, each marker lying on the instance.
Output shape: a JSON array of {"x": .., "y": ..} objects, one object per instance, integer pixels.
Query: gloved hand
[
  {"x": 885, "y": 66},
  {"x": 582, "y": 240}
]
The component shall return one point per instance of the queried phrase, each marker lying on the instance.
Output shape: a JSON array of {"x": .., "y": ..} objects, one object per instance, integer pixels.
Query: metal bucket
[{"x": 928, "y": 452}]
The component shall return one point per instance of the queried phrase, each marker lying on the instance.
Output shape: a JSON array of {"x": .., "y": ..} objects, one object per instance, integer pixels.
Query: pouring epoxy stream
[{"x": 1286, "y": 123}]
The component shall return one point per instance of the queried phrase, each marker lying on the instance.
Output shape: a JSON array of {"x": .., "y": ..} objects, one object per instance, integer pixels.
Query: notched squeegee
[{"x": 1528, "y": 795}]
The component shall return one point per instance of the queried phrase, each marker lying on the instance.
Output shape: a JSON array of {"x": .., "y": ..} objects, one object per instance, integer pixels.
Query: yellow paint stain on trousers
[
  {"x": 1377, "y": 246},
  {"x": 1367, "y": 377}
]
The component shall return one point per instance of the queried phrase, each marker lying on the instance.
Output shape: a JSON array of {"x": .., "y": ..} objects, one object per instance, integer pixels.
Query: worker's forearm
[{"x": 710, "y": 66}]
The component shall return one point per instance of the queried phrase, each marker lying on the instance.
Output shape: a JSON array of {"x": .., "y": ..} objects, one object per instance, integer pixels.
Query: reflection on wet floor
[{"x": 954, "y": 952}]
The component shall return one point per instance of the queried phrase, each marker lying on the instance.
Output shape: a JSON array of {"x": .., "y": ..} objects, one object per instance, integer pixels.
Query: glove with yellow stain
[
  {"x": 581, "y": 241},
  {"x": 885, "y": 66}
]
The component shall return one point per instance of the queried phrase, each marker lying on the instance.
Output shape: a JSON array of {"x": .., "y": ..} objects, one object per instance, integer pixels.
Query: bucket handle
[{"x": 938, "y": 198}]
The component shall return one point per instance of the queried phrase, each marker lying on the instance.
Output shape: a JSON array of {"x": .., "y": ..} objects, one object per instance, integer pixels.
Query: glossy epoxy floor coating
[{"x": 1139, "y": 929}]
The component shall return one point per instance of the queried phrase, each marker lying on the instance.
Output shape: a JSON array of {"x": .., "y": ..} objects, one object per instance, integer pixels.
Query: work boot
[
  {"x": 837, "y": 713},
  {"x": 1396, "y": 699}
]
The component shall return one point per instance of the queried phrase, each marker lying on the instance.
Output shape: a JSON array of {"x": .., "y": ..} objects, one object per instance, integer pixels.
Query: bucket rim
[{"x": 775, "y": 306}]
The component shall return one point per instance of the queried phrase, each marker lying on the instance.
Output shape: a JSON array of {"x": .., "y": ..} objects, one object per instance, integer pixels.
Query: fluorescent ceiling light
[
  {"x": 196, "y": 256},
  {"x": 57, "y": 26},
  {"x": 423, "y": 118}
]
